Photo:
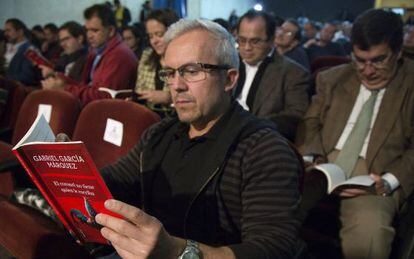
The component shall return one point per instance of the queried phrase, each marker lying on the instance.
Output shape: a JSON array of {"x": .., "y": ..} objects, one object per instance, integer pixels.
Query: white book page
[
  {"x": 333, "y": 173},
  {"x": 40, "y": 131},
  {"x": 46, "y": 110},
  {"x": 364, "y": 180},
  {"x": 114, "y": 132}
]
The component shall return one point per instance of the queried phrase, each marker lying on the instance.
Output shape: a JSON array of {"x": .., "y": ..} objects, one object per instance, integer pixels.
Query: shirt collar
[{"x": 213, "y": 133}]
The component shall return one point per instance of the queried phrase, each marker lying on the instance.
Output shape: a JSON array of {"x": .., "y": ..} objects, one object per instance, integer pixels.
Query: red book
[
  {"x": 36, "y": 58},
  {"x": 68, "y": 179}
]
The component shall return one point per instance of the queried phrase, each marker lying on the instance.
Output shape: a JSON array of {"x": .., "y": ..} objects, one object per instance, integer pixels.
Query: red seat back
[
  {"x": 92, "y": 124},
  {"x": 65, "y": 111}
]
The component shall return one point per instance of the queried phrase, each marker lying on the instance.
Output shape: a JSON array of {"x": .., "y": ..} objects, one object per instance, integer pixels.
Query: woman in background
[{"x": 149, "y": 88}]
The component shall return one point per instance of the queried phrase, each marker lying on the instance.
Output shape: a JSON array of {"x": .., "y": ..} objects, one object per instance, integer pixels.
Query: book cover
[
  {"x": 337, "y": 181},
  {"x": 37, "y": 59},
  {"x": 68, "y": 179}
]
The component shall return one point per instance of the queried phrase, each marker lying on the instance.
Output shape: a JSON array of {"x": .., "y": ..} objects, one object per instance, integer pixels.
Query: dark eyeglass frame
[
  {"x": 255, "y": 42},
  {"x": 379, "y": 62},
  {"x": 166, "y": 74}
]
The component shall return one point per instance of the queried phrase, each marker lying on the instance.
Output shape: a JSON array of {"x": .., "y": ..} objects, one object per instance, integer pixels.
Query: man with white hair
[{"x": 216, "y": 182}]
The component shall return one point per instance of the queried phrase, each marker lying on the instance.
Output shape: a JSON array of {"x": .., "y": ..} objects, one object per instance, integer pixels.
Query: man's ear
[
  {"x": 231, "y": 79},
  {"x": 112, "y": 31}
]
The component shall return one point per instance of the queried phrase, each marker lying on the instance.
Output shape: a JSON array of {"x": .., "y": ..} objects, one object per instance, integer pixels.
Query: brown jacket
[
  {"x": 391, "y": 146},
  {"x": 282, "y": 94}
]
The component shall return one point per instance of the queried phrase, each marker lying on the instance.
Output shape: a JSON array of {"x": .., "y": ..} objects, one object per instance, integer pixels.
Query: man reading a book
[
  {"x": 361, "y": 120},
  {"x": 110, "y": 63},
  {"x": 216, "y": 182}
]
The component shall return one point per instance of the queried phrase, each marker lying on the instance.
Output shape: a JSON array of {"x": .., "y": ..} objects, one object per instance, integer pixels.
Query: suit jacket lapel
[
  {"x": 387, "y": 114},
  {"x": 268, "y": 82},
  {"x": 345, "y": 97}
]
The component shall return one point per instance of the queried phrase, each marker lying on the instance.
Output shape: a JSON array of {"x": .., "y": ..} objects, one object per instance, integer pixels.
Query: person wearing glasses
[
  {"x": 109, "y": 63},
  {"x": 72, "y": 39},
  {"x": 216, "y": 182},
  {"x": 287, "y": 42},
  {"x": 365, "y": 109},
  {"x": 270, "y": 86}
]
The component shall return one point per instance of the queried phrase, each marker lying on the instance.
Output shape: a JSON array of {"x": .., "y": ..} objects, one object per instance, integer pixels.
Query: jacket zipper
[
  {"x": 142, "y": 180},
  {"x": 195, "y": 197}
]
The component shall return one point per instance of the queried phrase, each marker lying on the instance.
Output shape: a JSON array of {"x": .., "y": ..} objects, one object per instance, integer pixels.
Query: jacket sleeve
[
  {"x": 270, "y": 198},
  {"x": 309, "y": 138},
  {"x": 115, "y": 72},
  {"x": 296, "y": 100}
]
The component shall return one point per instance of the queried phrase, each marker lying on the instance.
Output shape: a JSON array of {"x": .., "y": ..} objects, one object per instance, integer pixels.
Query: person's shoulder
[
  {"x": 288, "y": 64},
  {"x": 408, "y": 65},
  {"x": 340, "y": 72},
  {"x": 158, "y": 128}
]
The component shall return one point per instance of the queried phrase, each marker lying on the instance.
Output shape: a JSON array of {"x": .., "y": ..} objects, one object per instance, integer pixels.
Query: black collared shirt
[{"x": 173, "y": 183}]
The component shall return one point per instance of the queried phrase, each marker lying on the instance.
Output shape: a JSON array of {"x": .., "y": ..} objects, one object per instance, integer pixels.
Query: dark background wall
[{"x": 320, "y": 10}]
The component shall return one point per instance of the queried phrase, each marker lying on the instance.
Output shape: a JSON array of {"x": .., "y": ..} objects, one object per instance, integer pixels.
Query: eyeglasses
[
  {"x": 379, "y": 62},
  {"x": 192, "y": 72},
  {"x": 284, "y": 32},
  {"x": 255, "y": 42}
]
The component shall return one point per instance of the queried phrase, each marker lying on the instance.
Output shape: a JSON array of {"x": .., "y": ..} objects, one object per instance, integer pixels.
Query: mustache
[{"x": 184, "y": 96}]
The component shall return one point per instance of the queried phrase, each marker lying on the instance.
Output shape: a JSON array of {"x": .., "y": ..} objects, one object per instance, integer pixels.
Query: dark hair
[
  {"x": 38, "y": 28},
  {"x": 103, "y": 12},
  {"x": 377, "y": 26},
  {"x": 135, "y": 30},
  {"x": 225, "y": 24},
  {"x": 2, "y": 36},
  {"x": 17, "y": 24},
  {"x": 165, "y": 16},
  {"x": 75, "y": 29},
  {"x": 298, "y": 34},
  {"x": 51, "y": 27},
  {"x": 269, "y": 21}
]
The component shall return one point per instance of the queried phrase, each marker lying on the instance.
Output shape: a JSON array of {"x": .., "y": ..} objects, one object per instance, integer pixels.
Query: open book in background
[
  {"x": 37, "y": 58},
  {"x": 337, "y": 181},
  {"x": 67, "y": 177},
  {"x": 118, "y": 94}
]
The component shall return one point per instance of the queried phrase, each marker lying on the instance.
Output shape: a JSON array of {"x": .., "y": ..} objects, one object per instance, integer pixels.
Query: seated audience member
[
  {"x": 149, "y": 87},
  {"x": 287, "y": 43},
  {"x": 72, "y": 39},
  {"x": 134, "y": 39},
  {"x": 122, "y": 15},
  {"x": 18, "y": 67},
  {"x": 3, "y": 47},
  {"x": 343, "y": 36},
  {"x": 270, "y": 86},
  {"x": 38, "y": 36},
  {"x": 408, "y": 43},
  {"x": 50, "y": 47},
  {"x": 310, "y": 31},
  {"x": 361, "y": 119},
  {"x": 324, "y": 46},
  {"x": 110, "y": 63},
  {"x": 217, "y": 198}
]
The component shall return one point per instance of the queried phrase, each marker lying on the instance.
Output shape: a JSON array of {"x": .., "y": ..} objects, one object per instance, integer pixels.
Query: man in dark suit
[
  {"x": 270, "y": 86},
  {"x": 386, "y": 150},
  {"x": 18, "y": 67}
]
